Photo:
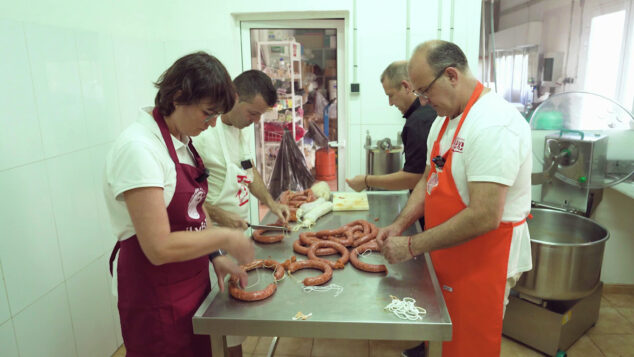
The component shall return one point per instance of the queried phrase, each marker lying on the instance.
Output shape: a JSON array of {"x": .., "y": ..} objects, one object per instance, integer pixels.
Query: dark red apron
[
  {"x": 473, "y": 274},
  {"x": 157, "y": 303}
]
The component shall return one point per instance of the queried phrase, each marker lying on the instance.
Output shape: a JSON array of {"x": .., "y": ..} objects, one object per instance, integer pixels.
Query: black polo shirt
[{"x": 418, "y": 121}]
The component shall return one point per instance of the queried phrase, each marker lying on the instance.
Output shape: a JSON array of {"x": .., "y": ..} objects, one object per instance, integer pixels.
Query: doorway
[{"x": 305, "y": 60}]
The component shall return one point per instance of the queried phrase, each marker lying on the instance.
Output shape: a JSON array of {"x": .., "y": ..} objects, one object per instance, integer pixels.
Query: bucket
[{"x": 325, "y": 166}]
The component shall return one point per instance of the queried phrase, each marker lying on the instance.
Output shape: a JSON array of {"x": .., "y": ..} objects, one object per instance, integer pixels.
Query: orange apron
[{"x": 473, "y": 274}]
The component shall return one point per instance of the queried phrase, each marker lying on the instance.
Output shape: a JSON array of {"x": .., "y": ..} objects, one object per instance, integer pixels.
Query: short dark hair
[
  {"x": 192, "y": 78},
  {"x": 253, "y": 82},
  {"x": 441, "y": 54}
]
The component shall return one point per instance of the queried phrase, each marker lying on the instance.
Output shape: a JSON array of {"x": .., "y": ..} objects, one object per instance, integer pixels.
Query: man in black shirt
[{"x": 418, "y": 120}]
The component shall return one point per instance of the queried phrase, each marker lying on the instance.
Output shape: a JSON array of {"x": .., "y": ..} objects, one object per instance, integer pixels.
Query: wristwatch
[{"x": 215, "y": 254}]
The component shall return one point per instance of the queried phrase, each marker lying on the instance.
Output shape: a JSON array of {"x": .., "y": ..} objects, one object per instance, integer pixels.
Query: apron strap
[
  {"x": 114, "y": 254},
  {"x": 515, "y": 224}
]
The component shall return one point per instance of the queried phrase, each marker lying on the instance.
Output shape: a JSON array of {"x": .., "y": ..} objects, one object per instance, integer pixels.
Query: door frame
[{"x": 247, "y": 23}]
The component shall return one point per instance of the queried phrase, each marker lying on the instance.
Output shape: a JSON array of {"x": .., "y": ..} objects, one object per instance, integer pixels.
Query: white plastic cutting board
[{"x": 350, "y": 201}]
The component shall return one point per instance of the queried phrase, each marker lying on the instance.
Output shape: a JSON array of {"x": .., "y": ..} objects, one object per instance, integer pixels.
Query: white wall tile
[
  {"x": 8, "y": 347},
  {"x": 98, "y": 84},
  {"x": 378, "y": 46},
  {"x": 356, "y": 163},
  {"x": 53, "y": 59},
  {"x": 73, "y": 197},
  {"x": 22, "y": 142},
  {"x": 98, "y": 163},
  {"x": 423, "y": 23},
  {"x": 91, "y": 311},
  {"x": 28, "y": 249},
  {"x": 5, "y": 311},
  {"x": 466, "y": 24},
  {"x": 138, "y": 65},
  {"x": 44, "y": 328}
]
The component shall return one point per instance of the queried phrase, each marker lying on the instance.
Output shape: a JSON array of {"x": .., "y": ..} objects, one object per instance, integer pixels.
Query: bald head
[
  {"x": 438, "y": 54},
  {"x": 440, "y": 74}
]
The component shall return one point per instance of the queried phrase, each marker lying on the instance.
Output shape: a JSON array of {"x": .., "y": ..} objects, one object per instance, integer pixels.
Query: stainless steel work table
[{"x": 357, "y": 313}]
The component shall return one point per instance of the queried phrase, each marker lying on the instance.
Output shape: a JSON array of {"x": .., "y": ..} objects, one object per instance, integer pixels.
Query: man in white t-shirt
[
  {"x": 475, "y": 196},
  {"x": 226, "y": 154}
]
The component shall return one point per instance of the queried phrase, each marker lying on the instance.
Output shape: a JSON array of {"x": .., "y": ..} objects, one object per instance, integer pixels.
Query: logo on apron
[
  {"x": 197, "y": 197},
  {"x": 458, "y": 145},
  {"x": 243, "y": 191}
]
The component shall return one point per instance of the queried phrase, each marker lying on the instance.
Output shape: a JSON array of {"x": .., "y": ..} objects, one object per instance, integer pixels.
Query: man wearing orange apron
[{"x": 475, "y": 196}]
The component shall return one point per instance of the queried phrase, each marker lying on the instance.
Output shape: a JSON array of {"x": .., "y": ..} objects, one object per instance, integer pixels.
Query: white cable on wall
[
  {"x": 439, "y": 36},
  {"x": 483, "y": 42},
  {"x": 493, "y": 49},
  {"x": 408, "y": 22},
  {"x": 355, "y": 64},
  {"x": 451, "y": 20}
]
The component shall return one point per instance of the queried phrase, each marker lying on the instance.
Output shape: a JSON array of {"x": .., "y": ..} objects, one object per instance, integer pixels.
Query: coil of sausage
[
  {"x": 314, "y": 264},
  {"x": 372, "y": 268},
  {"x": 343, "y": 235},
  {"x": 240, "y": 294},
  {"x": 259, "y": 235},
  {"x": 339, "y": 264}
]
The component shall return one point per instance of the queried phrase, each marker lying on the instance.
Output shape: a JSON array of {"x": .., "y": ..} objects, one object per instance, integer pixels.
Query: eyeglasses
[
  {"x": 423, "y": 93},
  {"x": 211, "y": 117}
]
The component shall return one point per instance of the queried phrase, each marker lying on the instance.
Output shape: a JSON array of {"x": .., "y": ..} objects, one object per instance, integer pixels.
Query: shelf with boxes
[{"x": 280, "y": 60}]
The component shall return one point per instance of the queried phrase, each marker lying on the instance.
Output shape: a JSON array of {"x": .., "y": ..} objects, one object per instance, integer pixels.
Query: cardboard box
[{"x": 311, "y": 40}]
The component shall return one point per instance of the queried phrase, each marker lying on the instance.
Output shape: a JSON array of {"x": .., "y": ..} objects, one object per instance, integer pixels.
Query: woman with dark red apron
[{"x": 162, "y": 271}]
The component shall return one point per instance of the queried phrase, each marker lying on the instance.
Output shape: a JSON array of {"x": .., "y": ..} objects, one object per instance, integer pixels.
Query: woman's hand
[
  {"x": 224, "y": 265},
  {"x": 238, "y": 245}
]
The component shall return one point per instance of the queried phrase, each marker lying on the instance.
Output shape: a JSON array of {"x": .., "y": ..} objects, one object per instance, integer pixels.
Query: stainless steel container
[
  {"x": 567, "y": 252},
  {"x": 384, "y": 158}
]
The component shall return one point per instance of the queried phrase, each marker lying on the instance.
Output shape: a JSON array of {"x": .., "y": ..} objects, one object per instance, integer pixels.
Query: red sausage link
[
  {"x": 315, "y": 264},
  {"x": 301, "y": 245},
  {"x": 240, "y": 294},
  {"x": 258, "y": 235},
  {"x": 372, "y": 268},
  {"x": 374, "y": 230},
  {"x": 345, "y": 255}
]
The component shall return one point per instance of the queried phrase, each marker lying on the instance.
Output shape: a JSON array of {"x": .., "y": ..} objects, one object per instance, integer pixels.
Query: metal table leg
[
  {"x": 219, "y": 346},
  {"x": 273, "y": 346},
  {"x": 434, "y": 349}
]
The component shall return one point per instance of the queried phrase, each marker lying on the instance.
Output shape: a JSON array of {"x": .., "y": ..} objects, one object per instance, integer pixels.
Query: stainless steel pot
[
  {"x": 567, "y": 255},
  {"x": 384, "y": 158}
]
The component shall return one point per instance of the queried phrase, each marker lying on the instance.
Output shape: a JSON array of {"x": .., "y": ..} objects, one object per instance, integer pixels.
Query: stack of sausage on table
[
  {"x": 295, "y": 199},
  {"x": 359, "y": 236}
]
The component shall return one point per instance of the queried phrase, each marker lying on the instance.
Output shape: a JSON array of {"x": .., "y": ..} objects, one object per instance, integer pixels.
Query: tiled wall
[{"x": 59, "y": 98}]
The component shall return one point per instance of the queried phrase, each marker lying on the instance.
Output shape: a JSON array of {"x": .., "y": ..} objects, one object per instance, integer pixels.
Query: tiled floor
[{"x": 612, "y": 336}]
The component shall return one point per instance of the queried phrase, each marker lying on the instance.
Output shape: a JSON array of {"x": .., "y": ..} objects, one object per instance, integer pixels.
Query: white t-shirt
[
  {"x": 495, "y": 146},
  {"x": 139, "y": 158},
  {"x": 208, "y": 146}
]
